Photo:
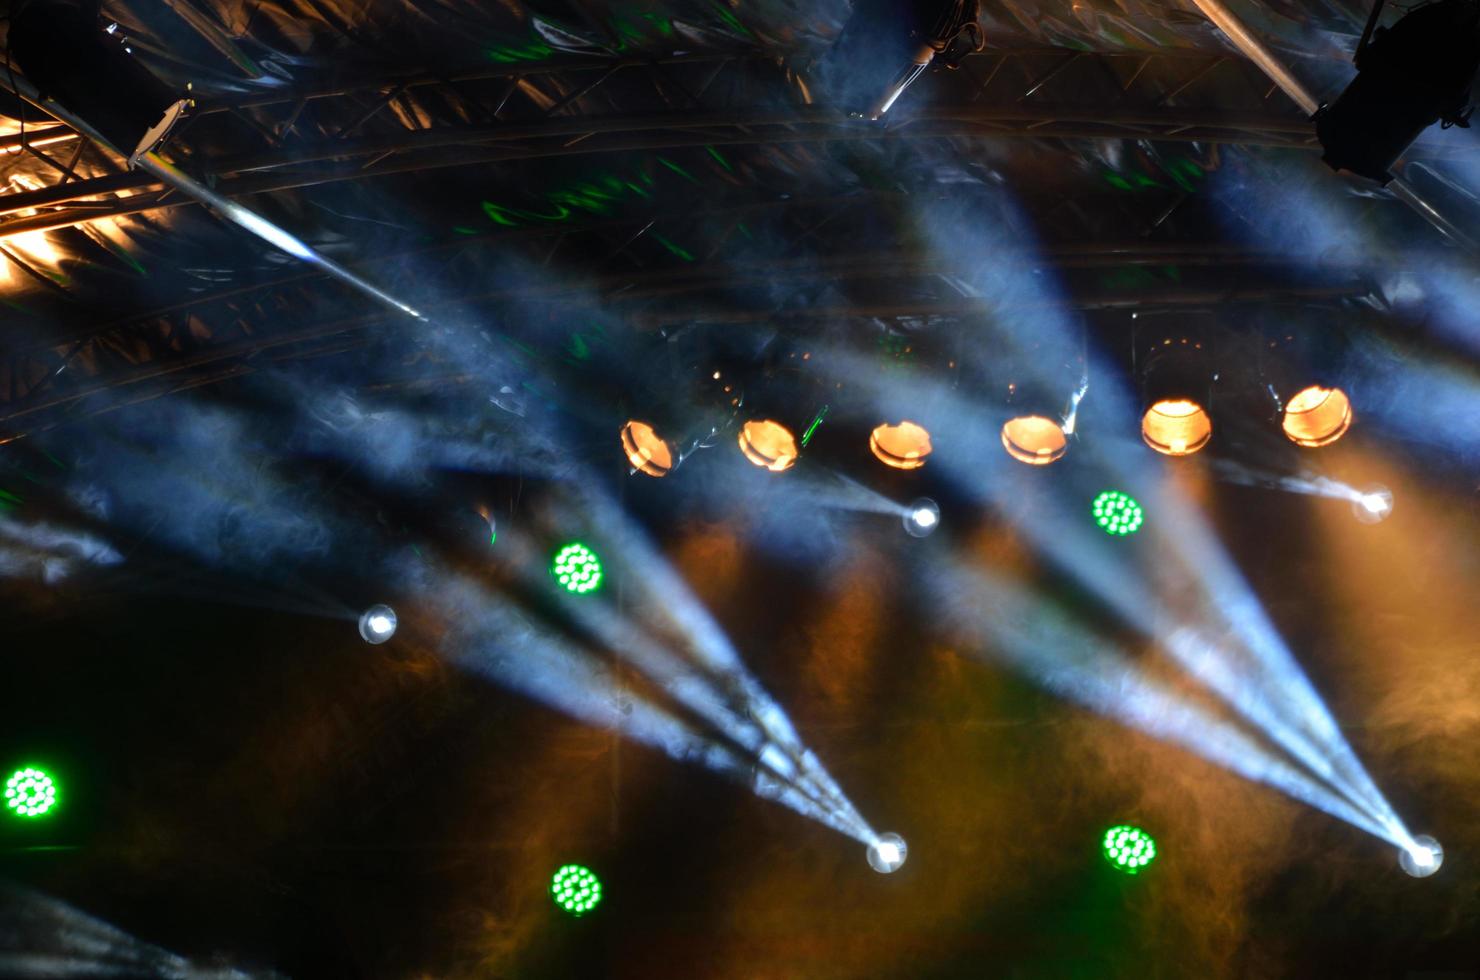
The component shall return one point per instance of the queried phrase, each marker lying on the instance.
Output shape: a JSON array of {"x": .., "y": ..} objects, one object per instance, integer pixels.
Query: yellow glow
[
  {"x": 903, "y": 446},
  {"x": 647, "y": 451},
  {"x": 36, "y": 246},
  {"x": 1176, "y": 427},
  {"x": 1317, "y": 416},
  {"x": 1034, "y": 440},
  {"x": 109, "y": 228},
  {"x": 44, "y": 141},
  {"x": 769, "y": 444}
]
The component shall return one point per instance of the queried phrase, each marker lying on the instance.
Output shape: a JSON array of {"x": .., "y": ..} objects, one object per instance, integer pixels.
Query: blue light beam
[{"x": 1068, "y": 660}]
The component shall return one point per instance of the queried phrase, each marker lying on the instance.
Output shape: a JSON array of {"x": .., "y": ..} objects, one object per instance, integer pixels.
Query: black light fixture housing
[
  {"x": 686, "y": 399},
  {"x": 1409, "y": 76},
  {"x": 1040, "y": 390},
  {"x": 64, "y": 49},
  {"x": 1302, "y": 369},
  {"x": 1176, "y": 376},
  {"x": 887, "y": 44}
]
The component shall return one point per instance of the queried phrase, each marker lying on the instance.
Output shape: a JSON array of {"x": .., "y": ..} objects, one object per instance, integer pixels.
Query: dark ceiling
[{"x": 212, "y": 457}]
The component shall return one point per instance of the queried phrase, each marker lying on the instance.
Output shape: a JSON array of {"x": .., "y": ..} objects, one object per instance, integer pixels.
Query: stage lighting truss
[
  {"x": 575, "y": 889},
  {"x": 1128, "y": 848},
  {"x": 30, "y": 793},
  {"x": 886, "y": 45},
  {"x": 577, "y": 568},
  {"x": 1117, "y": 513}
]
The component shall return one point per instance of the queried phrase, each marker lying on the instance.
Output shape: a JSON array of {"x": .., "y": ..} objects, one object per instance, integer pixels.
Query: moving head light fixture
[
  {"x": 783, "y": 408},
  {"x": 1040, "y": 400},
  {"x": 1409, "y": 76},
  {"x": 64, "y": 50},
  {"x": 689, "y": 398},
  {"x": 1176, "y": 377},
  {"x": 887, "y": 44},
  {"x": 904, "y": 414},
  {"x": 1300, "y": 369}
]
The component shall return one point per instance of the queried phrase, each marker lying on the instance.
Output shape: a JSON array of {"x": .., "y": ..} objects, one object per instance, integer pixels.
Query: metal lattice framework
[
  {"x": 511, "y": 116},
  {"x": 415, "y": 125}
]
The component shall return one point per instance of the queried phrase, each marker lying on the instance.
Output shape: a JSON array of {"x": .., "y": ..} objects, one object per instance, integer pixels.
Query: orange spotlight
[
  {"x": 1176, "y": 390},
  {"x": 904, "y": 446},
  {"x": 1176, "y": 426},
  {"x": 647, "y": 451},
  {"x": 1034, "y": 439},
  {"x": 768, "y": 443},
  {"x": 1317, "y": 416}
]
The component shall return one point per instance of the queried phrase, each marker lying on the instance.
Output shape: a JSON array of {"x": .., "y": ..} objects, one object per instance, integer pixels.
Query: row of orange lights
[{"x": 1315, "y": 416}]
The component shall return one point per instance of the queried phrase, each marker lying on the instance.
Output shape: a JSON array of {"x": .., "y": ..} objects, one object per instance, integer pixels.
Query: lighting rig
[
  {"x": 887, "y": 44},
  {"x": 1409, "y": 76}
]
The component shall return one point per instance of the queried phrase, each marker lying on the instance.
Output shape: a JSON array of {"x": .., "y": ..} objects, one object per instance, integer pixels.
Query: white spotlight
[
  {"x": 1373, "y": 504},
  {"x": 921, "y": 517},
  {"x": 887, "y": 853},
  {"x": 378, "y": 624},
  {"x": 1421, "y": 858}
]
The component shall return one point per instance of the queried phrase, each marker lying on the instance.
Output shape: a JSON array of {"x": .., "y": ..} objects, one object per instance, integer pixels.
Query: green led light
[
  {"x": 1128, "y": 848},
  {"x": 30, "y": 793},
  {"x": 1117, "y": 513},
  {"x": 575, "y": 889},
  {"x": 807, "y": 436},
  {"x": 577, "y": 568}
]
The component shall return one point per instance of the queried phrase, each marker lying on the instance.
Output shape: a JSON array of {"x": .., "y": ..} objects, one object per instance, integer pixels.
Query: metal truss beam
[
  {"x": 605, "y": 106},
  {"x": 141, "y": 362}
]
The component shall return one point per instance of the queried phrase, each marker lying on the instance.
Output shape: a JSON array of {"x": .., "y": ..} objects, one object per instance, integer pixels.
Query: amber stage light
[
  {"x": 647, "y": 451},
  {"x": 768, "y": 443},
  {"x": 1317, "y": 416},
  {"x": 1034, "y": 439},
  {"x": 904, "y": 446},
  {"x": 1176, "y": 426}
]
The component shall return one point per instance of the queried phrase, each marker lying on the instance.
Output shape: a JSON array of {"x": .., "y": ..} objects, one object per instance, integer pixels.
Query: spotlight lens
[
  {"x": 768, "y": 444},
  {"x": 577, "y": 568},
  {"x": 378, "y": 624},
  {"x": 1422, "y": 858},
  {"x": 886, "y": 854},
  {"x": 904, "y": 446},
  {"x": 1034, "y": 440},
  {"x": 1128, "y": 848},
  {"x": 921, "y": 518},
  {"x": 575, "y": 889},
  {"x": 1176, "y": 427},
  {"x": 30, "y": 793},
  {"x": 1373, "y": 504},
  {"x": 1317, "y": 416},
  {"x": 647, "y": 451},
  {"x": 1117, "y": 513}
]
